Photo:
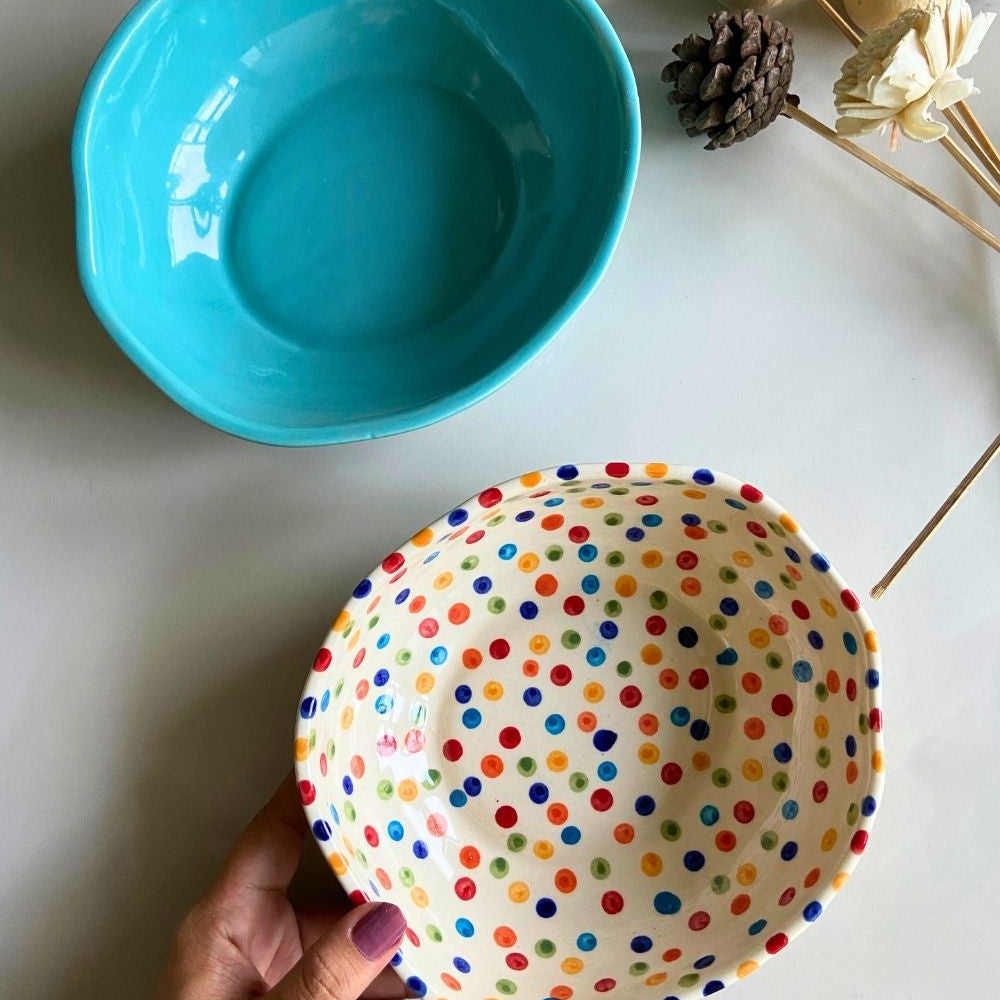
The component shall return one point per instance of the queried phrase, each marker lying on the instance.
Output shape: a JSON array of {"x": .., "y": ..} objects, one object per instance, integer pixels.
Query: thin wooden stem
[
  {"x": 979, "y": 132},
  {"x": 935, "y": 522},
  {"x": 970, "y": 140},
  {"x": 840, "y": 21},
  {"x": 971, "y": 169},
  {"x": 893, "y": 174}
]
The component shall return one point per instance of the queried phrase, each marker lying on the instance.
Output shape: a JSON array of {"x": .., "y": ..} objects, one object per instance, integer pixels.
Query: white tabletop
[{"x": 776, "y": 311}]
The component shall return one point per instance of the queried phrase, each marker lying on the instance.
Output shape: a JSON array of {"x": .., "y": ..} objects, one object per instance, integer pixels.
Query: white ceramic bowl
[{"x": 602, "y": 729}]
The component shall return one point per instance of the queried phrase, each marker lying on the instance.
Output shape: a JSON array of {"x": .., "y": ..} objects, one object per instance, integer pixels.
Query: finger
[
  {"x": 344, "y": 962},
  {"x": 266, "y": 855}
]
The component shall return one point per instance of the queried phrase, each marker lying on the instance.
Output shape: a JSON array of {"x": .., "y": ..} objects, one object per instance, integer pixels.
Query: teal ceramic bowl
[{"x": 314, "y": 221}]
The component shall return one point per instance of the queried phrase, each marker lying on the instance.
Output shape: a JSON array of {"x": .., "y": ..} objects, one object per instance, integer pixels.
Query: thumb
[{"x": 344, "y": 961}]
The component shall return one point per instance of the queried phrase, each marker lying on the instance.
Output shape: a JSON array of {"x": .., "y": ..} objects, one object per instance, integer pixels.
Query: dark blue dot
[
  {"x": 532, "y": 697},
  {"x": 872, "y": 678},
  {"x": 704, "y": 477},
  {"x": 608, "y": 629},
  {"x": 538, "y": 792},
  {"x": 482, "y": 585},
  {"x": 438, "y": 655},
  {"x": 815, "y": 639},
  {"x": 788, "y": 850},
  {"x": 463, "y": 694},
  {"x": 587, "y": 553},
  {"x": 605, "y": 739},
  {"x": 700, "y": 729},
  {"x": 381, "y": 677},
  {"x": 727, "y": 657},
  {"x": 545, "y": 907},
  {"x": 471, "y": 718},
  {"x": 680, "y": 716},
  {"x": 704, "y": 962},
  {"x": 652, "y": 520},
  {"x": 790, "y": 809},
  {"x": 690, "y": 519},
  {"x": 458, "y": 516},
  {"x": 348, "y": 784},
  {"x": 402, "y": 595},
  {"x": 524, "y": 515},
  {"x": 738, "y": 504},
  {"x": 645, "y": 805},
  {"x": 396, "y": 959},
  {"x": 851, "y": 746},
  {"x": 324, "y": 702},
  {"x": 763, "y": 589},
  {"x": 782, "y": 753},
  {"x": 590, "y": 584},
  {"x": 507, "y": 551},
  {"x": 529, "y": 610},
  {"x": 713, "y": 986},
  {"x": 596, "y": 656},
  {"x": 420, "y": 849},
  {"x": 586, "y": 942},
  {"x": 416, "y": 986},
  {"x": 473, "y": 786},
  {"x": 462, "y": 965},
  {"x": 666, "y": 903},
  {"x": 465, "y": 927},
  {"x": 457, "y": 798},
  {"x": 567, "y": 472},
  {"x": 570, "y": 835},
  {"x": 687, "y": 637},
  {"x": 709, "y": 815},
  {"x": 792, "y": 554},
  {"x": 606, "y": 770},
  {"x": 868, "y": 805},
  {"x": 322, "y": 830},
  {"x": 694, "y": 861},
  {"x": 635, "y": 534},
  {"x": 812, "y": 911},
  {"x": 383, "y": 640},
  {"x": 756, "y": 927},
  {"x": 308, "y": 708},
  {"x": 363, "y": 589},
  {"x": 395, "y": 830},
  {"x": 641, "y": 944},
  {"x": 555, "y": 724},
  {"x": 729, "y": 606},
  {"x": 819, "y": 561}
]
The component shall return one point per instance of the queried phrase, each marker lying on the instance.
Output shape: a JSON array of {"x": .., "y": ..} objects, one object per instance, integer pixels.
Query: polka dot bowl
[{"x": 602, "y": 729}]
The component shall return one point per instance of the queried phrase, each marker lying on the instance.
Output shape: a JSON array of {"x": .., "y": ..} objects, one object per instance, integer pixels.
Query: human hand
[{"x": 245, "y": 939}]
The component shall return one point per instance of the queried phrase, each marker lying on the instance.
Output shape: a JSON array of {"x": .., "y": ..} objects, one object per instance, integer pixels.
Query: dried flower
[
  {"x": 900, "y": 71},
  {"x": 870, "y": 15}
]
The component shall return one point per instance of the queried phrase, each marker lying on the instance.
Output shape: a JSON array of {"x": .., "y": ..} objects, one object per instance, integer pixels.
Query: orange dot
[
  {"x": 649, "y": 753},
  {"x": 337, "y": 863},
  {"x": 565, "y": 880},
  {"x": 587, "y": 722},
  {"x": 832, "y": 681},
  {"x": 407, "y": 790},
  {"x": 656, "y": 978},
  {"x": 472, "y": 658},
  {"x": 561, "y": 993},
  {"x": 852, "y": 772},
  {"x": 878, "y": 761},
  {"x": 740, "y": 904},
  {"x": 557, "y": 761},
  {"x": 788, "y": 523},
  {"x": 492, "y": 765},
  {"x": 469, "y": 856},
  {"x": 752, "y": 769},
  {"x": 530, "y": 668},
  {"x": 700, "y": 760},
  {"x": 793, "y": 572},
  {"x": 811, "y": 879},
  {"x": 593, "y": 692},
  {"x": 651, "y": 559},
  {"x": 871, "y": 641},
  {"x": 417, "y": 605},
  {"x": 626, "y": 585},
  {"x": 546, "y": 585},
  {"x": 557, "y": 814},
  {"x": 693, "y": 494},
  {"x": 443, "y": 580},
  {"x": 531, "y": 479},
  {"x": 651, "y": 654},
  {"x": 648, "y": 724},
  {"x": 422, "y": 538},
  {"x": 528, "y": 563},
  {"x": 539, "y": 644},
  {"x": 341, "y": 621},
  {"x": 458, "y": 613},
  {"x": 591, "y": 503},
  {"x": 651, "y": 864},
  {"x": 821, "y": 726},
  {"x": 840, "y": 880},
  {"x": 505, "y": 936},
  {"x": 759, "y": 639},
  {"x": 695, "y": 531},
  {"x": 301, "y": 748},
  {"x": 552, "y": 521},
  {"x": 656, "y": 470},
  {"x": 671, "y": 955},
  {"x": 749, "y": 967},
  {"x": 624, "y": 833},
  {"x": 828, "y": 609},
  {"x": 450, "y": 981},
  {"x": 691, "y": 586},
  {"x": 746, "y": 874},
  {"x": 828, "y": 840},
  {"x": 424, "y": 683},
  {"x": 571, "y": 966},
  {"x": 668, "y": 678},
  {"x": 742, "y": 558},
  {"x": 383, "y": 878},
  {"x": 357, "y": 766},
  {"x": 754, "y": 728},
  {"x": 751, "y": 682}
]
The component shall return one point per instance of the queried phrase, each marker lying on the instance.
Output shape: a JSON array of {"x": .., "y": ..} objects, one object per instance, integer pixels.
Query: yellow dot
[
  {"x": 649, "y": 753},
  {"x": 528, "y": 563},
  {"x": 593, "y": 692},
  {"x": 571, "y": 966},
  {"x": 419, "y": 897},
  {"x": 543, "y": 849},
  {"x": 301, "y": 748},
  {"x": 354, "y": 640},
  {"x": 346, "y": 717},
  {"x": 422, "y": 538},
  {"x": 337, "y": 863},
  {"x": 746, "y": 874},
  {"x": 341, "y": 621},
  {"x": 493, "y": 691},
  {"x": 650, "y": 654},
  {"x": 694, "y": 494},
  {"x": 752, "y": 770},
  {"x": 531, "y": 479},
  {"x": 407, "y": 789},
  {"x": 651, "y": 559},
  {"x": 742, "y": 558},
  {"x": 828, "y": 840},
  {"x": 828, "y": 609},
  {"x": 700, "y": 761},
  {"x": 749, "y": 967},
  {"x": 651, "y": 864},
  {"x": 349, "y": 847},
  {"x": 424, "y": 683},
  {"x": 871, "y": 641},
  {"x": 821, "y": 727},
  {"x": 539, "y": 644},
  {"x": 788, "y": 523},
  {"x": 656, "y": 978},
  {"x": 840, "y": 880},
  {"x": 759, "y": 638},
  {"x": 443, "y": 580},
  {"x": 591, "y": 503},
  {"x": 518, "y": 892},
  {"x": 878, "y": 761},
  {"x": 625, "y": 585},
  {"x": 657, "y": 470},
  {"x": 557, "y": 761}
]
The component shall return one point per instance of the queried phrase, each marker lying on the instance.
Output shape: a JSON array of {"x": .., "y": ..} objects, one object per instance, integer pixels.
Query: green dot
[
  {"x": 619, "y": 491},
  {"x": 823, "y": 756},
  {"x": 506, "y": 987},
  {"x": 432, "y": 779},
  {"x": 360, "y": 856},
  {"x": 527, "y": 766},
  {"x": 347, "y": 631},
  {"x": 495, "y": 605},
  {"x": 384, "y": 789},
  {"x": 725, "y": 703},
  {"x": 499, "y": 867},
  {"x": 821, "y": 691},
  {"x": 570, "y": 639},
  {"x": 638, "y": 969},
  {"x": 670, "y": 830},
  {"x": 863, "y": 724},
  {"x": 545, "y": 948},
  {"x": 495, "y": 520},
  {"x": 721, "y": 778},
  {"x": 554, "y": 553},
  {"x": 312, "y": 740},
  {"x": 728, "y": 575},
  {"x": 338, "y": 688},
  {"x": 406, "y": 877},
  {"x": 780, "y": 782},
  {"x": 789, "y": 583},
  {"x": 434, "y": 933},
  {"x": 717, "y": 622},
  {"x": 517, "y": 842},
  {"x": 349, "y": 811},
  {"x": 717, "y": 526},
  {"x": 852, "y": 813},
  {"x": 658, "y": 600},
  {"x": 769, "y": 840},
  {"x": 774, "y": 660},
  {"x": 600, "y": 868},
  {"x": 576, "y": 489},
  {"x": 578, "y": 781},
  {"x": 373, "y": 621},
  {"x": 418, "y": 713},
  {"x": 331, "y": 748},
  {"x": 613, "y": 609},
  {"x": 674, "y": 482},
  {"x": 720, "y": 885},
  {"x": 615, "y": 558},
  {"x": 624, "y": 669},
  {"x": 469, "y": 562},
  {"x": 403, "y": 657},
  {"x": 776, "y": 528},
  {"x": 688, "y": 979},
  {"x": 613, "y": 519},
  {"x": 763, "y": 549}
]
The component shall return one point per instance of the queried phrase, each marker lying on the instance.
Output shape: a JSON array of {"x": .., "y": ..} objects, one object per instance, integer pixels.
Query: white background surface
[{"x": 775, "y": 311}]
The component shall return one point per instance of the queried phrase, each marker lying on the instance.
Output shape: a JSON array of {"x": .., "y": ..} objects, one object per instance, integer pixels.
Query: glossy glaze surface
[
  {"x": 321, "y": 220},
  {"x": 603, "y": 728}
]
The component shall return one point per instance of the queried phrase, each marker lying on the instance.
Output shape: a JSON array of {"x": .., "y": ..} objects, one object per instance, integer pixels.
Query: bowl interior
[
  {"x": 316, "y": 213},
  {"x": 597, "y": 726}
]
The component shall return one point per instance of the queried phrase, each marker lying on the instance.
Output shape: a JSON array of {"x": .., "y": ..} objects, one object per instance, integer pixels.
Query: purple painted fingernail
[{"x": 378, "y": 930}]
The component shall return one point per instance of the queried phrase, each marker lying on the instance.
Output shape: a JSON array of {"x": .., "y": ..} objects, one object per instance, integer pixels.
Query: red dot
[
  {"x": 307, "y": 792},
  {"x": 428, "y": 628},
  {"x": 361, "y": 691},
  {"x": 850, "y": 600},
  {"x": 490, "y": 497},
  {"x": 371, "y": 835},
  {"x": 578, "y": 533},
  {"x": 630, "y": 696},
  {"x": 476, "y": 536},
  {"x": 604, "y": 985},
  {"x": 787, "y": 896},
  {"x": 412, "y": 937},
  {"x": 695, "y": 532},
  {"x": 699, "y": 920},
  {"x": 560, "y": 675},
  {"x": 672, "y": 954},
  {"x": 602, "y": 800},
  {"x": 859, "y": 841},
  {"x": 812, "y": 878},
  {"x": 851, "y": 689},
  {"x": 687, "y": 559},
  {"x": 671, "y": 773},
  {"x": 359, "y": 658},
  {"x": 452, "y": 750},
  {"x": 516, "y": 961},
  {"x": 656, "y": 625},
  {"x": 506, "y": 816},
  {"x": 875, "y": 720},
  {"x": 781, "y": 704},
  {"x": 698, "y": 678},
  {"x": 744, "y": 811},
  {"x": 800, "y": 610},
  {"x": 573, "y": 605},
  {"x": 740, "y": 904},
  {"x": 417, "y": 604},
  {"x": 617, "y": 470},
  {"x": 647, "y": 500},
  {"x": 775, "y": 943},
  {"x": 391, "y": 563},
  {"x": 756, "y": 529},
  {"x": 357, "y": 897},
  {"x": 820, "y": 791},
  {"x": 725, "y": 841},
  {"x": 465, "y": 888},
  {"x": 322, "y": 661},
  {"x": 510, "y": 737},
  {"x": 778, "y": 624},
  {"x": 499, "y": 649},
  {"x": 612, "y": 902},
  {"x": 751, "y": 493}
]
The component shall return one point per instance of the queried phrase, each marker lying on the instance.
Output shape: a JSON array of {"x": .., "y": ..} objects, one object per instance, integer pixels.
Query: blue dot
[
  {"x": 324, "y": 702},
  {"x": 458, "y": 516},
  {"x": 463, "y": 694},
  {"x": 586, "y": 942},
  {"x": 727, "y": 657},
  {"x": 666, "y": 903},
  {"x": 465, "y": 927},
  {"x": 652, "y": 520},
  {"x": 868, "y": 805},
  {"x": 792, "y": 554},
  {"x": 680, "y": 716},
  {"x": 462, "y": 965},
  {"x": 788, "y": 850},
  {"x": 729, "y": 606},
  {"x": 605, "y": 739},
  {"x": 590, "y": 584},
  {"x": 507, "y": 551},
  {"x": 687, "y": 637},
  {"x": 596, "y": 656},
  {"x": 538, "y": 792},
  {"x": 322, "y": 830},
  {"x": 457, "y": 798},
  {"x": 703, "y": 477},
  {"x": 704, "y": 962},
  {"x": 782, "y": 753},
  {"x": 402, "y": 595},
  {"x": 608, "y": 629},
  {"x": 567, "y": 472},
  {"x": 851, "y": 746},
  {"x": 756, "y": 927},
  {"x": 635, "y": 534},
  {"x": 482, "y": 585},
  {"x": 690, "y": 519},
  {"x": 790, "y": 809},
  {"x": 431, "y": 557},
  {"x": 709, "y": 815},
  {"x": 529, "y": 610},
  {"x": 815, "y": 639},
  {"x": 308, "y": 708},
  {"x": 381, "y": 677},
  {"x": 416, "y": 986},
  {"x": 545, "y": 907},
  {"x": 473, "y": 786},
  {"x": 641, "y": 944},
  {"x": 700, "y": 729},
  {"x": 524, "y": 515},
  {"x": 570, "y": 835},
  {"x": 738, "y": 504},
  {"x": 420, "y": 849},
  {"x": 438, "y": 655},
  {"x": 872, "y": 678},
  {"x": 587, "y": 553},
  {"x": 694, "y": 861},
  {"x": 363, "y": 589},
  {"x": 383, "y": 641},
  {"x": 471, "y": 718},
  {"x": 348, "y": 785},
  {"x": 802, "y": 671},
  {"x": 396, "y": 959},
  {"x": 606, "y": 770},
  {"x": 819, "y": 561},
  {"x": 812, "y": 911},
  {"x": 555, "y": 724},
  {"x": 384, "y": 703},
  {"x": 712, "y": 986},
  {"x": 763, "y": 589},
  {"x": 395, "y": 830},
  {"x": 553, "y": 502},
  {"x": 335, "y": 814},
  {"x": 532, "y": 697},
  {"x": 645, "y": 805},
  {"x": 850, "y": 643}
]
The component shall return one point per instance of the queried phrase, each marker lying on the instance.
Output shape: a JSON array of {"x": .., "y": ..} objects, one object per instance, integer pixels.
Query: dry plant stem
[
  {"x": 970, "y": 140},
  {"x": 893, "y": 174},
  {"x": 971, "y": 169},
  {"x": 934, "y": 523},
  {"x": 977, "y": 130}
]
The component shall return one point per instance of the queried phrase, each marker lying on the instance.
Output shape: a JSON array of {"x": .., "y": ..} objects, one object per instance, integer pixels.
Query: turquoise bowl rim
[{"x": 397, "y": 423}]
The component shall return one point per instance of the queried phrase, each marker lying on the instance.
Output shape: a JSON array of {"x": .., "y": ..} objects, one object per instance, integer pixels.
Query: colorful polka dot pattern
[{"x": 603, "y": 729}]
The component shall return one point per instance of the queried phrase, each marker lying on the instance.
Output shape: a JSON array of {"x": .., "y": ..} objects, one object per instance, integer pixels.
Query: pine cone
[{"x": 733, "y": 85}]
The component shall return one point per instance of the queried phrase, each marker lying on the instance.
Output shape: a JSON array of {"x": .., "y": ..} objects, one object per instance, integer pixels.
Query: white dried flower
[{"x": 900, "y": 71}]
